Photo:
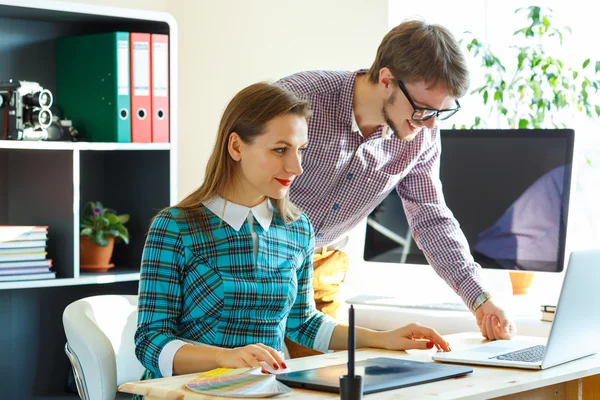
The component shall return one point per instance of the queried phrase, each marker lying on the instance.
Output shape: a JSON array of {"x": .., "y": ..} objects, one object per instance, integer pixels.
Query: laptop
[{"x": 574, "y": 332}]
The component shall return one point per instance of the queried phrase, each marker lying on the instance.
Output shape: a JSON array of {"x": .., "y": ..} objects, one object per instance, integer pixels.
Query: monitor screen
[{"x": 508, "y": 189}]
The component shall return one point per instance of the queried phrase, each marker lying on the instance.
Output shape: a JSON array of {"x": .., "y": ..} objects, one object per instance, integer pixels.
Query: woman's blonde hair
[{"x": 247, "y": 114}]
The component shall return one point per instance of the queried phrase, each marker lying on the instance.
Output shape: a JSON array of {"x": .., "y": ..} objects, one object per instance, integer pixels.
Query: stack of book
[
  {"x": 23, "y": 253},
  {"x": 548, "y": 313}
]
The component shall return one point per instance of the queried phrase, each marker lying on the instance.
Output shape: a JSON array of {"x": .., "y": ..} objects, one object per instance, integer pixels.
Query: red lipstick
[{"x": 284, "y": 182}]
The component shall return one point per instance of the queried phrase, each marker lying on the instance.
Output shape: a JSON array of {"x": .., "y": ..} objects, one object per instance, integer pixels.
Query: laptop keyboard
[{"x": 530, "y": 354}]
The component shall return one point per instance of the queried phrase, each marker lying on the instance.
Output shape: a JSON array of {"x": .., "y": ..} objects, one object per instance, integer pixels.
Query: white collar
[
  {"x": 355, "y": 127},
  {"x": 235, "y": 214},
  {"x": 386, "y": 131}
]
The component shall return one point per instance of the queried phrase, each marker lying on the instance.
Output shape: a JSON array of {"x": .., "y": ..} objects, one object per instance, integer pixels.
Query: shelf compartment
[
  {"x": 36, "y": 188},
  {"x": 130, "y": 182}
]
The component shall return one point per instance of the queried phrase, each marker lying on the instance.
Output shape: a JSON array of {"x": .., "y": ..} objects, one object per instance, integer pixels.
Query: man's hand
[{"x": 493, "y": 322}]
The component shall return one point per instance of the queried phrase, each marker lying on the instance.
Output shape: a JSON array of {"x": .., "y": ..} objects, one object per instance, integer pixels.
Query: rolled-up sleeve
[
  {"x": 160, "y": 292},
  {"x": 305, "y": 323}
]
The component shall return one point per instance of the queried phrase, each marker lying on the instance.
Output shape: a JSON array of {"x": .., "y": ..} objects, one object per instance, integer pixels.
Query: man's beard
[
  {"x": 390, "y": 123},
  {"x": 386, "y": 116}
]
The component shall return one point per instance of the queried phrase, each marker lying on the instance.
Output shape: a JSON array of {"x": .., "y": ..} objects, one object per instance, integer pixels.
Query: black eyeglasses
[{"x": 423, "y": 114}]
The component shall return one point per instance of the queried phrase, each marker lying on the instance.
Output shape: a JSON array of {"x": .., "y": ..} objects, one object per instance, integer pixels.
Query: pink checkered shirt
[{"x": 346, "y": 176}]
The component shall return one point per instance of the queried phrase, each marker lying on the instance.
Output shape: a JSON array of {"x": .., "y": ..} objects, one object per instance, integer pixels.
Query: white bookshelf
[
  {"x": 44, "y": 145},
  {"x": 83, "y": 279},
  {"x": 48, "y": 183}
]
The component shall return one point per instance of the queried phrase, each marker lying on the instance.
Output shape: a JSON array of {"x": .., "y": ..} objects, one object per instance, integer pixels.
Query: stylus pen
[{"x": 351, "y": 341}]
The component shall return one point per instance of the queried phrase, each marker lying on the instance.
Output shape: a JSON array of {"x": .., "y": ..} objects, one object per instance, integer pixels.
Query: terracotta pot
[
  {"x": 521, "y": 281},
  {"x": 94, "y": 258}
]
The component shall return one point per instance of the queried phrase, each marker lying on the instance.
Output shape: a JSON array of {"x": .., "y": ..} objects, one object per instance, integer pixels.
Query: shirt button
[
  {"x": 336, "y": 206},
  {"x": 349, "y": 177},
  {"x": 319, "y": 235}
]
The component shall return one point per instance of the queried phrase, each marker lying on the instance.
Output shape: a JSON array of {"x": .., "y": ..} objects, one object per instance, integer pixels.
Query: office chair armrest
[
  {"x": 77, "y": 373},
  {"x": 95, "y": 354}
]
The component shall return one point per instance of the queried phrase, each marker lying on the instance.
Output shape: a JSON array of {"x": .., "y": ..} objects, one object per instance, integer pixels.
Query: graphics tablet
[{"x": 379, "y": 374}]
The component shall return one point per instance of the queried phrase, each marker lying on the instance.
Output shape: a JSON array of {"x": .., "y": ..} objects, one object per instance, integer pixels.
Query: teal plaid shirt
[{"x": 199, "y": 281}]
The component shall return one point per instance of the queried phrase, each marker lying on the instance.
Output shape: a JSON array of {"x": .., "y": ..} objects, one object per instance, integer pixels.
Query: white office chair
[{"x": 100, "y": 344}]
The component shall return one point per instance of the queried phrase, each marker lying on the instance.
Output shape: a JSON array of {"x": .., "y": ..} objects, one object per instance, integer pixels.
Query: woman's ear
[{"x": 234, "y": 146}]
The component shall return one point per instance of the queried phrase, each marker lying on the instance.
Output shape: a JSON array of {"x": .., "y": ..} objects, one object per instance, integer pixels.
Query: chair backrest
[{"x": 100, "y": 332}]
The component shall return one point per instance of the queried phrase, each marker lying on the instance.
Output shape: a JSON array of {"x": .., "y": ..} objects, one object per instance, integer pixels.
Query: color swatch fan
[{"x": 232, "y": 383}]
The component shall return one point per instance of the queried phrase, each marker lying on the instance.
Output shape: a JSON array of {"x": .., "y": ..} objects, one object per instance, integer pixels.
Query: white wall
[
  {"x": 225, "y": 45},
  {"x": 150, "y": 5}
]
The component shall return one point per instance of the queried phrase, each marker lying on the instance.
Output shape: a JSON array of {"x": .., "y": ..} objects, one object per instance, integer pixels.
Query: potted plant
[
  {"x": 533, "y": 88},
  {"x": 99, "y": 227}
]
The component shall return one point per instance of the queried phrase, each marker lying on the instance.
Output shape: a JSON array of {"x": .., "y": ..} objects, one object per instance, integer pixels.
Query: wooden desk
[{"x": 576, "y": 380}]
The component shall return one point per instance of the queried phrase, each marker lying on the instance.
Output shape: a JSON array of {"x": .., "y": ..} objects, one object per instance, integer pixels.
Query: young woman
[{"x": 226, "y": 273}]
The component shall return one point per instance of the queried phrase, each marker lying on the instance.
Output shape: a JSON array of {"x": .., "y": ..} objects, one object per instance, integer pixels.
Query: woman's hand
[
  {"x": 249, "y": 356},
  {"x": 413, "y": 336}
]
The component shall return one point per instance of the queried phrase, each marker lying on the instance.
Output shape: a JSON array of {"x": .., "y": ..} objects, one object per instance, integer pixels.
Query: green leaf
[
  {"x": 522, "y": 30},
  {"x": 530, "y": 32},
  {"x": 575, "y": 74},
  {"x": 523, "y": 123},
  {"x": 498, "y": 96},
  {"x": 101, "y": 239},
  {"x": 534, "y": 14},
  {"x": 485, "y": 97},
  {"x": 585, "y": 63},
  {"x": 112, "y": 232},
  {"x": 86, "y": 232},
  {"x": 597, "y": 110},
  {"x": 520, "y": 59},
  {"x": 488, "y": 61},
  {"x": 123, "y": 218},
  {"x": 123, "y": 233},
  {"x": 597, "y": 69}
]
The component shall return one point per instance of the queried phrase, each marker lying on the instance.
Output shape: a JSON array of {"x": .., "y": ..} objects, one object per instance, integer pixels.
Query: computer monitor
[{"x": 508, "y": 189}]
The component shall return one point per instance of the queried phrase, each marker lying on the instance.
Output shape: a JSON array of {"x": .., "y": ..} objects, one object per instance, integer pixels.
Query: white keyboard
[{"x": 374, "y": 300}]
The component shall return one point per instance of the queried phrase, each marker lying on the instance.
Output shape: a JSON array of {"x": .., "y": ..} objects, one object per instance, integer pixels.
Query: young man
[{"x": 373, "y": 131}]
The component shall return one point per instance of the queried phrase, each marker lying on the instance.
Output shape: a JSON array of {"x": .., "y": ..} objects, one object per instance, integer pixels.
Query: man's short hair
[{"x": 416, "y": 51}]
